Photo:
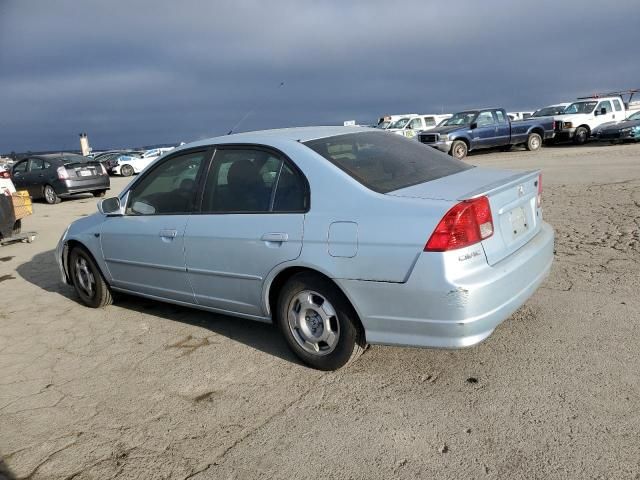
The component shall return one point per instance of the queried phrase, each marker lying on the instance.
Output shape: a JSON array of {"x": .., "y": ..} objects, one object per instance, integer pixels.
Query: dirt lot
[{"x": 147, "y": 390}]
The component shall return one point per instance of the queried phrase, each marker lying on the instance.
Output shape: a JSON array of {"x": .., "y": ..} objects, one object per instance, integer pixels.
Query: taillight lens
[
  {"x": 62, "y": 173},
  {"x": 539, "y": 197},
  {"x": 466, "y": 223}
]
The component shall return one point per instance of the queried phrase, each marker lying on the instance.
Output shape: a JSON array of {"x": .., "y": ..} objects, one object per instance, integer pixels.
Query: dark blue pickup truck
[{"x": 488, "y": 128}]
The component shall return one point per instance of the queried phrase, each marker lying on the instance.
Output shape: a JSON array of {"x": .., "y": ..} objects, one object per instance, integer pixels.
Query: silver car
[{"x": 342, "y": 236}]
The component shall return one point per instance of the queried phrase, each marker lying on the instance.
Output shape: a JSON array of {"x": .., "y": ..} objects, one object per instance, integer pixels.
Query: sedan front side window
[{"x": 170, "y": 188}]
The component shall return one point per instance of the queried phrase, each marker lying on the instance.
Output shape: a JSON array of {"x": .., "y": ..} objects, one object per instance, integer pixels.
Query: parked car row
[{"x": 601, "y": 117}]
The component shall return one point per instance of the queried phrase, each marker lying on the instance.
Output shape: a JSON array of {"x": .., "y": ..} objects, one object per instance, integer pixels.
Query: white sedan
[{"x": 130, "y": 165}]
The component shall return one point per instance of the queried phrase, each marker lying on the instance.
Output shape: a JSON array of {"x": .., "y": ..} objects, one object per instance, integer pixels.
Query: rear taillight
[
  {"x": 539, "y": 197},
  {"x": 62, "y": 173},
  {"x": 466, "y": 223}
]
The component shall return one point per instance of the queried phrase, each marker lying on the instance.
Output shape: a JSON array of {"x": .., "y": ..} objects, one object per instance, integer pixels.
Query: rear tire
[
  {"x": 580, "y": 136},
  {"x": 318, "y": 323},
  {"x": 534, "y": 142},
  {"x": 87, "y": 279},
  {"x": 126, "y": 170},
  {"x": 99, "y": 193},
  {"x": 50, "y": 196},
  {"x": 459, "y": 149}
]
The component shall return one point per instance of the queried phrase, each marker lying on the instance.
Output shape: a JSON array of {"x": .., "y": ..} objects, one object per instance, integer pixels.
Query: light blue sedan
[{"x": 342, "y": 236}]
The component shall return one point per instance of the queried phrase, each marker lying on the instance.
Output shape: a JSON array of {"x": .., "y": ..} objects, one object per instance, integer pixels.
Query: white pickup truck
[
  {"x": 411, "y": 125},
  {"x": 581, "y": 118}
]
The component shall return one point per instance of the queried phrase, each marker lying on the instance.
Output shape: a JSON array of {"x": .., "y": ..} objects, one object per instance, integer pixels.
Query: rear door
[
  {"x": 144, "y": 249},
  {"x": 251, "y": 220}
]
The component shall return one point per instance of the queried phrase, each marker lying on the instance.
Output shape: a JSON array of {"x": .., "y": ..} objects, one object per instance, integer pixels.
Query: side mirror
[
  {"x": 110, "y": 206},
  {"x": 603, "y": 111},
  {"x": 473, "y": 126}
]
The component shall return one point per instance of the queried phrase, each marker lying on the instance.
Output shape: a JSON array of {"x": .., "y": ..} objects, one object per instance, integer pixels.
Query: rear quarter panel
[{"x": 390, "y": 231}]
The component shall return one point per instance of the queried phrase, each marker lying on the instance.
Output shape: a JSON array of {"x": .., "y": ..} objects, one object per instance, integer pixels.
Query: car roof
[{"x": 296, "y": 134}]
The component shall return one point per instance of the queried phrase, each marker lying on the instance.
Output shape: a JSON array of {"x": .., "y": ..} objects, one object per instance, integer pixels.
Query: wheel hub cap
[
  {"x": 86, "y": 280},
  {"x": 313, "y": 323}
]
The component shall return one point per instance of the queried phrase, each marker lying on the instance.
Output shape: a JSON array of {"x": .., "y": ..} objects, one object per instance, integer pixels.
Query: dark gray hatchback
[{"x": 54, "y": 176}]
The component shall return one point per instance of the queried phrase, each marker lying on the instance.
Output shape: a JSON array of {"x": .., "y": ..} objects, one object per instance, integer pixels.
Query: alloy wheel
[
  {"x": 84, "y": 276},
  {"x": 313, "y": 322}
]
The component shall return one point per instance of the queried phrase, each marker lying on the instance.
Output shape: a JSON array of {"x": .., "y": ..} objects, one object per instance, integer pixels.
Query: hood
[
  {"x": 621, "y": 125},
  {"x": 448, "y": 129},
  {"x": 568, "y": 117}
]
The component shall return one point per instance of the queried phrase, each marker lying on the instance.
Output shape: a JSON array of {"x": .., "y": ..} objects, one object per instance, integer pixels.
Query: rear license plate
[
  {"x": 85, "y": 173},
  {"x": 518, "y": 221}
]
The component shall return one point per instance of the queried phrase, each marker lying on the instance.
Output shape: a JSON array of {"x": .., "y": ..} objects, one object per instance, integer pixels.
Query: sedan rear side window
[
  {"x": 252, "y": 181},
  {"x": 384, "y": 162}
]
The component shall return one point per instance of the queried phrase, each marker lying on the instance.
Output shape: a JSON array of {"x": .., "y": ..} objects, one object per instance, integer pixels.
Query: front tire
[
  {"x": 459, "y": 149},
  {"x": 126, "y": 170},
  {"x": 318, "y": 323},
  {"x": 580, "y": 136},
  {"x": 50, "y": 196},
  {"x": 534, "y": 142},
  {"x": 87, "y": 279}
]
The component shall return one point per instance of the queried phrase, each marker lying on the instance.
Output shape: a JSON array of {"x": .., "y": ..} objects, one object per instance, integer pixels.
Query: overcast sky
[{"x": 133, "y": 73}]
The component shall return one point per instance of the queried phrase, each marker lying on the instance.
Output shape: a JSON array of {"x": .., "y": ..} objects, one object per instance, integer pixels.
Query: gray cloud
[{"x": 142, "y": 72}]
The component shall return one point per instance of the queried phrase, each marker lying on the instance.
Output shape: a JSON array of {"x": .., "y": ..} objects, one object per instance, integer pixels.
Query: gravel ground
[{"x": 147, "y": 390}]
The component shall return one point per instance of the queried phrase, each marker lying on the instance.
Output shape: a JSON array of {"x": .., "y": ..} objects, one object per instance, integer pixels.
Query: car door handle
[
  {"x": 275, "y": 237},
  {"x": 168, "y": 233}
]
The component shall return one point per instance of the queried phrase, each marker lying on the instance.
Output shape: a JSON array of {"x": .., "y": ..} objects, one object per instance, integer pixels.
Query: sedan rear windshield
[{"x": 384, "y": 162}]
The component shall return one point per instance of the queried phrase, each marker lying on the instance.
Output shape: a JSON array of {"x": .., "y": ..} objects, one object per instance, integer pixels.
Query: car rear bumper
[
  {"x": 71, "y": 187},
  {"x": 442, "y": 306}
]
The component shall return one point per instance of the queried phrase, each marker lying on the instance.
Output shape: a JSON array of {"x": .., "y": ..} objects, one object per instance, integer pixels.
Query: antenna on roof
[{"x": 246, "y": 115}]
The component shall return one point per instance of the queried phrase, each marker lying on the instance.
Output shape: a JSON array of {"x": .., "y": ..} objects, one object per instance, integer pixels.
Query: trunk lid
[
  {"x": 83, "y": 170},
  {"x": 512, "y": 197}
]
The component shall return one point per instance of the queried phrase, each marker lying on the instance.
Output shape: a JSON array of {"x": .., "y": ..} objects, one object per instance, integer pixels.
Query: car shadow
[
  {"x": 70, "y": 198},
  {"x": 42, "y": 271},
  {"x": 5, "y": 473}
]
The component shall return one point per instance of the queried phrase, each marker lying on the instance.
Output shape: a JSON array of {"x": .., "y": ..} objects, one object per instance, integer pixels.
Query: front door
[
  {"x": 486, "y": 130},
  {"x": 605, "y": 112},
  {"x": 144, "y": 248},
  {"x": 19, "y": 175},
  {"x": 251, "y": 220}
]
